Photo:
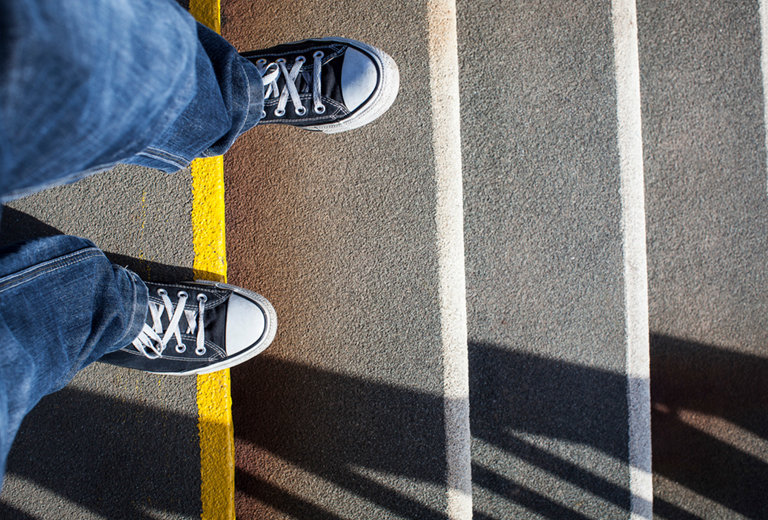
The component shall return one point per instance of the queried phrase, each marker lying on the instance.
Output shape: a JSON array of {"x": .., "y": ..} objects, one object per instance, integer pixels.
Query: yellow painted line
[
  {"x": 214, "y": 400},
  {"x": 207, "y": 12}
]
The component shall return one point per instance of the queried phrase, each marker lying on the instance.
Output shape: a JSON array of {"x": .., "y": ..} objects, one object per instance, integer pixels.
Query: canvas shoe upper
[
  {"x": 198, "y": 327},
  {"x": 326, "y": 84}
]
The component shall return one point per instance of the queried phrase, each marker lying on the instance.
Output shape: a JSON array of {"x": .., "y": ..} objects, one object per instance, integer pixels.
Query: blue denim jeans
[{"x": 83, "y": 86}]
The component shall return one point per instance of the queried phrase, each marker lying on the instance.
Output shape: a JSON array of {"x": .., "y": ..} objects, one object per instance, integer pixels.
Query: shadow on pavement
[
  {"x": 325, "y": 424},
  {"x": 513, "y": 393},
  {"x": 328, "y": 424},
  {"x": 710, "y": 423},
  {"x": 17, "y": 226},
  {"x": 118, "y": 460}
]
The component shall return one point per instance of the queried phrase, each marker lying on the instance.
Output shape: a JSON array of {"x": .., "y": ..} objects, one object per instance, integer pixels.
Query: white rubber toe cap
[
  {"x": 245, "y": 324},
  {"x": 359, "y": 78}
]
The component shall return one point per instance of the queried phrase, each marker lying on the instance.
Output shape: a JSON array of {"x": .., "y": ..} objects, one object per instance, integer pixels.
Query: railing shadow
[
  {"x": 710, "y": 423},
  {"x": 513, "y": 393},
  {"x": 326, "y": 424}
]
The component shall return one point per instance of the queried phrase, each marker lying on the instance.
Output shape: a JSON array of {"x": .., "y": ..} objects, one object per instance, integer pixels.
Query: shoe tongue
[
  {"x": 216, "y": 323},
  {"x": 215, "y": 316},
  {"x": 330, "y": 77}
]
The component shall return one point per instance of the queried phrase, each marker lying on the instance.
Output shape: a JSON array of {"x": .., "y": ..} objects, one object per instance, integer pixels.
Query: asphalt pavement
[
  {"x": 707, "y": 215},
  {"x": 544, "y": 245},
  {"x": 343, "y": 416}
]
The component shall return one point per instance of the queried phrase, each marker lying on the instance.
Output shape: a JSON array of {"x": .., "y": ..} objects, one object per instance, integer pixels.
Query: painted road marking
[
  {"x": 214, "y": 397},
  {"x": 446, "y": 143},
  {"x": 630, "y": 141},
  {"x": 764, "y": 69}
]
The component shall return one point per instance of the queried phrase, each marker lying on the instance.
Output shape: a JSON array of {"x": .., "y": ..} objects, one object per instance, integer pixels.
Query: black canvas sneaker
[
  {"x": 326, "y": 84},
  {"x": 198, "y": 327}
]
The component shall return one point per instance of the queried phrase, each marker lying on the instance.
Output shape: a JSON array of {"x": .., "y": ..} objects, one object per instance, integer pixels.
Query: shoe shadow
[{"x": 17, "y": 226}]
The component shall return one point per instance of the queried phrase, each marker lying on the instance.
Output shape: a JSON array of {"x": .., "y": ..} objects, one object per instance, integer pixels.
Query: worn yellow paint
[
  {"x": 207, "y": 12},
  {"x": 214, "y": 401}
]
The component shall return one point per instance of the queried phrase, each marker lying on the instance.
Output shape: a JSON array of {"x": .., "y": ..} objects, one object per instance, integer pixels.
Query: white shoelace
[
  {"x": 272, "y": 71},
  {"x": 152, "y": 344}
]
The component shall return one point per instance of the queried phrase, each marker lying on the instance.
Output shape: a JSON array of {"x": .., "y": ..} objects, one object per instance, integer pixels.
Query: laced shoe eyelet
[
  {"x": 301, "y": 110},
  {"x": 261, "y": 61},
  {"x": 182, "y": 294},
  {"x": 304, "y": 73},
  {"x": 263, "y": 114},
  {"x": 181, "y": 340},
  {"x": 162, "y": 292}
]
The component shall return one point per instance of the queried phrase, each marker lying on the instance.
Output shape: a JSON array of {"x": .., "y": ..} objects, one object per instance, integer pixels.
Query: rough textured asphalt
[
  {"x": 343, "y": 416},
  {"x": 544, "y": 260},
  {"x": 707, "y": 215},
  {"x": 115, "y": 443}
]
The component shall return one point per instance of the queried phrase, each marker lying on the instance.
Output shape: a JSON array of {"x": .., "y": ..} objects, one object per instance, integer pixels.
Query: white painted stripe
[
  {"x": 630, "y": 143},
  {"x": 764, "y": 68},
  {"x": 446, "y": 141}
]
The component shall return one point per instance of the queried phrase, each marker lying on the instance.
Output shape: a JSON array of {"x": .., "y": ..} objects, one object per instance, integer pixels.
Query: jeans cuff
[
  {"x": 140, "y": 307},
  {"x": 255, "y": 94}
]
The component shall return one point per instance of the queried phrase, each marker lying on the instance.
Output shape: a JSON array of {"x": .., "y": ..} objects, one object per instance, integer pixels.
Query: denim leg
[
  {"x": 229, "y": 101},
  {"x": 89, "y": 84},
  {"x": 63, "y": 305},
  {"x": 83, "y": 86}
]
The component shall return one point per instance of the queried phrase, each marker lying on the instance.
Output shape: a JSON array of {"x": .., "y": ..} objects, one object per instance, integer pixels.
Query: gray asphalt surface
[
  {"x": 115, "y": 443},
  {"x": 707, "y": 215},
  {"x": 544, "y": 260},
  {"x": 342, "y": 417}
]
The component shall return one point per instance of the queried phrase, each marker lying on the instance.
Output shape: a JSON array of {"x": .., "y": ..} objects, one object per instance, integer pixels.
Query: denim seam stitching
[
  {"x": 16, "y": 279},
  {"x": 248, "y": 91},
  {"x": 166, "y": 158},
  {"x": 161, "y": 159},
  {"x": 165, "y": 153}
]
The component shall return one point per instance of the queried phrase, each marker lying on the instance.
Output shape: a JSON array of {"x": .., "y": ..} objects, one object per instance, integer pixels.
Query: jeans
[{"x": 84, "y": 86}]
